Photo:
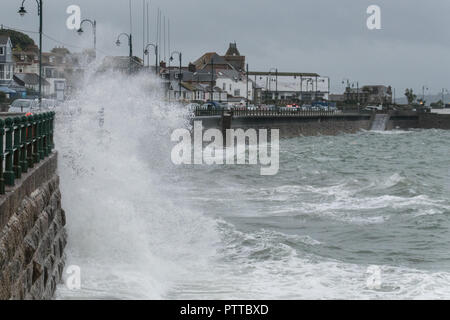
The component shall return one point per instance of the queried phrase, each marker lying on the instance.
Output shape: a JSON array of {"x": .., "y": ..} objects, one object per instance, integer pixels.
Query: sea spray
[{"x": 130, "y": 239}]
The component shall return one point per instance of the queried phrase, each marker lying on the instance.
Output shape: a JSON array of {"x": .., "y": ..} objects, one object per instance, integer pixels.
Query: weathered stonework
[
  {"x": 294, "y": 126},
  {"x": 434, "y": 121},
  {"x": 32, "y": 235}
]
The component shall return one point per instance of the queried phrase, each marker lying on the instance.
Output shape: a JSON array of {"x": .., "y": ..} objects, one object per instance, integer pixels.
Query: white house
[
  {"x": 234, "y": 84},
  {"x": 292, "y": 85},
  {"x": 6, "y": 61}
]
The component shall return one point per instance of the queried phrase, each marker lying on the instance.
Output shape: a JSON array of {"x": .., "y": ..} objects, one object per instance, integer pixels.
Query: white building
[
  {"x": 291, "y": 85},
  {"x": 234, "y": 84}
]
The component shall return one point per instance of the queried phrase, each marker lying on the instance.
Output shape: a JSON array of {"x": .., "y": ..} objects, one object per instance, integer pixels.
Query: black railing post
[
  {"x": 16, "y": 146},
  {"x": 45, "y": 134},
  {"x": 40, "y": 137},
  {"x": 9, "y": 151},
  {"x": 29, "y": 125},
  {"x": 35, "y": 140},
  {"x": 2, "y": 156},
  {"x": 23, "y": 144}
]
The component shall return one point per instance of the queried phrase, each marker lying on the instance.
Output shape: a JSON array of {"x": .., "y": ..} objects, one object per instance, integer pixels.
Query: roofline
[{"x": 283, "y": 74}]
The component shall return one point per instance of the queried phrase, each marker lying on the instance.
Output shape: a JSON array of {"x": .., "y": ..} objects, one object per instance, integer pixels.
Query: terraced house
[{"x": 6, "y": 61}]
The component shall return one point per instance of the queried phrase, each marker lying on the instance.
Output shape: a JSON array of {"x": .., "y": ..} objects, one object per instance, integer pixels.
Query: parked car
[
  {"x": 215, "y": 106},
  {"x": 24, "y": 105},
  {"x": 32, "y": 105},
  {"x": 371, "y": 108}
]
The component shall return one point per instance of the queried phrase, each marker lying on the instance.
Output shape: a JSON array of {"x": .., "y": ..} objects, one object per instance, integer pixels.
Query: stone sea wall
[
  {"x": 434, "y": 121},
  {"x": 321, "y": 125},
  {"x": 32, "y": 235}
]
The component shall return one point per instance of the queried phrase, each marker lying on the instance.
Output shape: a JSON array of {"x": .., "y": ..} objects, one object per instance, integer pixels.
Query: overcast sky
[{"x": 328, "y": 37}]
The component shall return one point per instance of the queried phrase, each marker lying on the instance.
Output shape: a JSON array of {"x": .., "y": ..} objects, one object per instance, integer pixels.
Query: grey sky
[{"x": 325, "y": 36}]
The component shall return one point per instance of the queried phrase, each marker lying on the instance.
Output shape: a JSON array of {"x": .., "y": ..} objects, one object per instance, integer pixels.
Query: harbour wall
[
  {"x": 32, "y": 234},
  {"x": 32, "y": 221},
  {"x": 290, "y": 126}
]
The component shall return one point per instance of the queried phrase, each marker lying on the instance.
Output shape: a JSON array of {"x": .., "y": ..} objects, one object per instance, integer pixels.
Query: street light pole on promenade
[
  {"x": 22, "y": 13},
  {"x": 276, "y": 83},
  {"x": 444, "y": 91},
  {"x": 247, "y": 85},
  {"x": 146, "y": 52},
  {"x": 130, "y": 45},
  {"x": 211, "y": 98},
  {"x": 181, "y": 72},
  {"x": 94, "y": 31},
  {"x": 423, "y": 94}
]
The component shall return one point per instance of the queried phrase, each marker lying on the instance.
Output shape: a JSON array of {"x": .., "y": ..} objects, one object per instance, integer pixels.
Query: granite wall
[{"x": 32, "y": 235}]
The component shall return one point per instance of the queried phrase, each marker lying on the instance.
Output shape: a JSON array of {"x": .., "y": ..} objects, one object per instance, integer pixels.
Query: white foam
[{"x": 129, "y": 238}]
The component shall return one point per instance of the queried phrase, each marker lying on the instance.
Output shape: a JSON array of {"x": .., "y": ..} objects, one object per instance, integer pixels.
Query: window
[
  {"x": 2, "y": 51},
  {"x": 8, "y": 75},
  {"x": 224, "y": 86},
  {"x": 237, "y": 93},
  {"x": 2, "y": 72},
  {"x": 52, "y": 59},
  {"x": 48, "y": 73},
  {"x": 22, "y": 57}
]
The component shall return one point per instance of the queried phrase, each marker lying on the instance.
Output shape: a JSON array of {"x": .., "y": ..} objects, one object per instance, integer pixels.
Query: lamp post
[
  {"x": 180, "y": 75},
  {"x": 130, "y": 45},
  {"x": 94, "y": 31},
  {"x": 423, "y": 94},
  {"x": 444, "y": 91},
  {"x": 146, "y": 52},
  {"x": 22, "y": 13},
  {"x": 276, "y": 83},
  {"x": 211, "y": 98},
  {"x": 247, "y": 84}
]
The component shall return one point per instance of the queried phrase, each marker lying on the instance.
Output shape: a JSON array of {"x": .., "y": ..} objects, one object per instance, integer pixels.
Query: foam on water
[
  {"x": 129, "y": 239},
  {"x": 141, "y": 228}
]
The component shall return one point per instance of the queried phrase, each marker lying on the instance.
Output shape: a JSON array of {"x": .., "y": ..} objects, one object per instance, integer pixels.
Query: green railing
[
  {"x": 24, "y": 142},
  {"x": 264, "y": 112}
]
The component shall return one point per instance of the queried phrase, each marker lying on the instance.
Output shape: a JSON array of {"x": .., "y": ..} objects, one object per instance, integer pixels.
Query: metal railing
[
  {"x": 264, "y": 112},
  {"x": 24, "y": 142}
]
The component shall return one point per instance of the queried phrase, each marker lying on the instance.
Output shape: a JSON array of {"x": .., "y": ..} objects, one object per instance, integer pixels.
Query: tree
[
  {"x": 19, "y": 40},
  {"x": 410, "y": 96}
]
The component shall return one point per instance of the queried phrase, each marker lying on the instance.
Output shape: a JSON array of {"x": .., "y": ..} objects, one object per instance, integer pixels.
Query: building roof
[
  {"x": 4, "y": 40},
  {"x": 30, "y": 79},
  {"x": 283, "y": 74},
  {"x": 231, "y": 74},
  {"x": 233, "y": 50},
  {"x": 209, "y": 58}
]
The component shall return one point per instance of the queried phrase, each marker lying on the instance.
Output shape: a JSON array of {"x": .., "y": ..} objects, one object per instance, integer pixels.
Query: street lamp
[
  {"x": 276, "y": 83},
  {"x": 146, "y": 52},
  {"x": 423, "y": 93},
  {"x": 130, "y": 45},
  {"x": 180, "y": 75},
  {"x": 444, "y": 91},
  {"x": 22, "y": 13},
  {"x": 94, "y": 30}
]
